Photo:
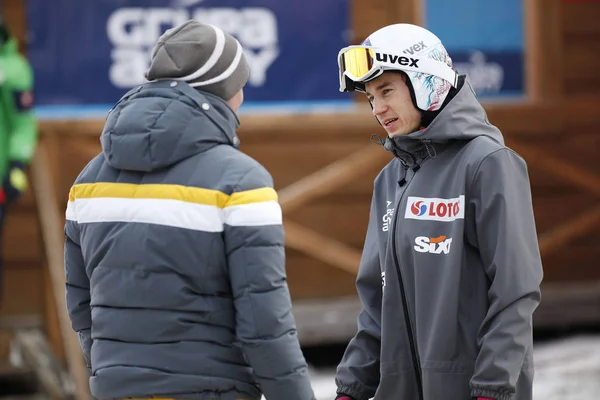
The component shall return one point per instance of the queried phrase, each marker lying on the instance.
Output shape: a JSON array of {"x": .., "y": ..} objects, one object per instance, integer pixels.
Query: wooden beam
[
  {"x": 533, "y": 43},
  {"x": 368, "y": 16},
  {"x": 532, "y": 119},
  {"x": 556, "y": 166},
  {"x": 568, "y": 304},
  {"x": 550, "y": 74},
  {"x": 89, "y": 150},
  {"x": 52, "y": 325},
  {"x": 406, "y": 11},
  {"x": 52, "y": 232},
  {"x": 15, "y": 13},
  {"x": 321, "y": 247},
  {"x": 331, "y": 177},
  {"x": 551, "y": 241}
]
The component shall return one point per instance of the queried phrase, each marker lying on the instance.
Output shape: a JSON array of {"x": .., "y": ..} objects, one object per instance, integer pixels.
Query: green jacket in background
[{"x": 18, "y": 127}]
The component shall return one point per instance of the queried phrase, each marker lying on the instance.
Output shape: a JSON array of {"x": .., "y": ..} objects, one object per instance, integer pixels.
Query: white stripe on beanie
[
  {"x": 227, "y": 73},
  {"x": 214, "y": 57}
]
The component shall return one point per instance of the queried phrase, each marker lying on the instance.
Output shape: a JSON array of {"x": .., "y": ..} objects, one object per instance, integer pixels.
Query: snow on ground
[{"x": 566, "y": 369}]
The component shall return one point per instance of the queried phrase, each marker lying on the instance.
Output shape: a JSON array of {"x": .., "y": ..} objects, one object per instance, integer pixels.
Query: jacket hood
[
  {"x": 161, "y": 123},
  {"x": 462, "y": 118}
]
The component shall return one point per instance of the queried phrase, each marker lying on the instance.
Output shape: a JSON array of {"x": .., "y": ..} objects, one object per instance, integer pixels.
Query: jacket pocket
[{"x": 446, "y": 380}]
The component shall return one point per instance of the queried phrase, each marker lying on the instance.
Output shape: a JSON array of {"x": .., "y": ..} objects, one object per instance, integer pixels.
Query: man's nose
[{"x": 379, "y": 107}]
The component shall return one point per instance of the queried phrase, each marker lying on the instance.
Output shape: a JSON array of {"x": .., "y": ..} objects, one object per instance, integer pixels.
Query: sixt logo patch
[
  {"x": 438, "y": 245},
  {"x": 435, "y": 209}
]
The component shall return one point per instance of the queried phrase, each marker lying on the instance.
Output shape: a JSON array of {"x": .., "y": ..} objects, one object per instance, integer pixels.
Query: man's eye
[{"x": 386, "y": 91}]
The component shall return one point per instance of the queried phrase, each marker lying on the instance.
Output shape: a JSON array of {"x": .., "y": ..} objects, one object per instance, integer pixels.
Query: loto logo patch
[
  {"x": 435, "y": 209},
  {"x": 438, "y": 245}
]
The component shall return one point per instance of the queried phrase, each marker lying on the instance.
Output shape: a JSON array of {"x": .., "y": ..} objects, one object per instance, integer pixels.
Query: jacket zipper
[{"x": 411, "y": 339}]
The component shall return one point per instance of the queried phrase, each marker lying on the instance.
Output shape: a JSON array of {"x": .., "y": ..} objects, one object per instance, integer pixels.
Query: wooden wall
[
  {"x": 580, "y": 42},
  {"x": 23, "y": 253},
  {"x": 558, "y": 135},
  {"x": 562, "y": 166}
]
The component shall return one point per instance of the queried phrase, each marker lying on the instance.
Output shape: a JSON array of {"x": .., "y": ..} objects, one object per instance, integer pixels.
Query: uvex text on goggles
[{"x": 363, "y": 63}]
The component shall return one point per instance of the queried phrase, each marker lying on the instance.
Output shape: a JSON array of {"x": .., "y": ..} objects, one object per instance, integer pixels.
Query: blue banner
[
  {"x": 88, "y": 53},
  {"x": 485, "y": 40}
]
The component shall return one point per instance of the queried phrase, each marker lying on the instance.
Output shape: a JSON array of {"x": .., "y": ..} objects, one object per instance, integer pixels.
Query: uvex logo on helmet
[
  {"x": 415, "y": 48},
  {"x": 401, "y": 60},
  {"x": 435, "y": 209}
]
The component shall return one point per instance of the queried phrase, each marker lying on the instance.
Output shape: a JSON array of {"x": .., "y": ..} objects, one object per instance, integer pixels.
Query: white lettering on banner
[
  {"x": 484, "y": 76},
  {"x": 185, "y": 3},
  {"x": 133, "y": 31}
]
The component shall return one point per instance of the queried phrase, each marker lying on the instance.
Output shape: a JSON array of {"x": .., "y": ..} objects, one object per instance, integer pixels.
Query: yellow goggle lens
[{"x": 358, "y": 61}]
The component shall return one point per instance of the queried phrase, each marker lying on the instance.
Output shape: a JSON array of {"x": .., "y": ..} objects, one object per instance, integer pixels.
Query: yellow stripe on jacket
[{"x": 172, "y": 205}]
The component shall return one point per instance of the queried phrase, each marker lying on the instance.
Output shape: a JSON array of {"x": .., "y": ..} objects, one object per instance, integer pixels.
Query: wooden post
[
  {"x": 533, "y": 48},
  {"x": 52, "y": 321},
  {"x": 545, "y": 49},
  {"x": 14, "y": 15},
  {"x": 52, "y": 232},
  {"x": 407, "y": 11}
]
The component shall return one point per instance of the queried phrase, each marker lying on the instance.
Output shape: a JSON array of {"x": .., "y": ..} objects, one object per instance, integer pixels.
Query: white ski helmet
[{"x": 401, "y": 47}]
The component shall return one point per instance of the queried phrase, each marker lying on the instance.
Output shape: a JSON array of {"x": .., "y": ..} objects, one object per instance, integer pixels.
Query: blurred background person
[{"x": 18, "y": 128}]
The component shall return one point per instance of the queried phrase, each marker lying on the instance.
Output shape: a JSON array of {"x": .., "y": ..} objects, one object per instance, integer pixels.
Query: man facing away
[
  {"x": 448, "y": 291},
  {"x": 174, "y": 252}
]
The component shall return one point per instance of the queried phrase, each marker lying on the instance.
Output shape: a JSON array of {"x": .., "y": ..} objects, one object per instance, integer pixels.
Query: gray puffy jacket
[{"x": 174, "y": 258}]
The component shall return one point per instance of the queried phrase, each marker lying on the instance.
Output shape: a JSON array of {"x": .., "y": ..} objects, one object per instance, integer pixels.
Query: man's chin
[
  {"x": 402, "y": 131},
  {"x": 398, "y": 132}
]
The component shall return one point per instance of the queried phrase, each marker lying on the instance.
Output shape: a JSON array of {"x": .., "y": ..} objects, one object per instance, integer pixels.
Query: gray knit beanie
[{"x": 202, "y": 55}]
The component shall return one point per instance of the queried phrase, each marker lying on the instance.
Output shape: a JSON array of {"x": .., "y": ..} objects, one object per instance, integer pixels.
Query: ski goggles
[{"x": 359, "y": 64}]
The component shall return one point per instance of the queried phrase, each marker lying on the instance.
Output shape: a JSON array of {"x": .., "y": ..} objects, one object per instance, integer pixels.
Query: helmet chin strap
[
  {"x": 428, "y": 116},
  {"x": 424, "y": 119}
]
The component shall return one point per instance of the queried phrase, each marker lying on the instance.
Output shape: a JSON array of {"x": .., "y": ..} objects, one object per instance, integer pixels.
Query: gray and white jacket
[
  {"x": 451, "y": 270},
  {"x": 174, "y": 258}
]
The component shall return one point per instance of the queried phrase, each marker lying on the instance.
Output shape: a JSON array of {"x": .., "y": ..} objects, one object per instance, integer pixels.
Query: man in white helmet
[{"x": 449, "y": 288}]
